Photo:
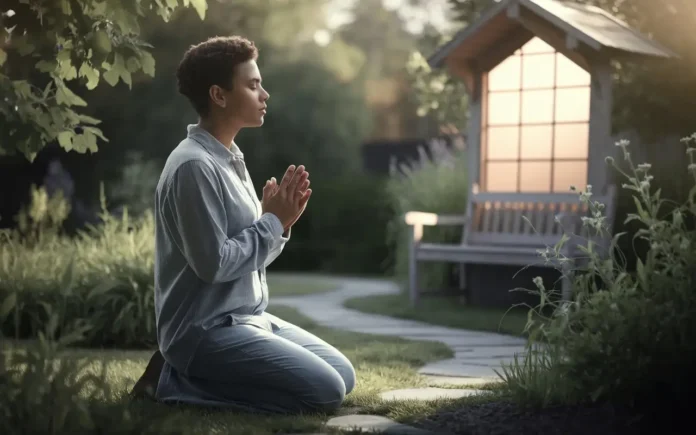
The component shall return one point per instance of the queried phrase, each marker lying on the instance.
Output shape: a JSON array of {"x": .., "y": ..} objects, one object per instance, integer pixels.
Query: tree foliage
[
  {"x": 48, "y": 45},
  {"x": 439, "y": 95}
]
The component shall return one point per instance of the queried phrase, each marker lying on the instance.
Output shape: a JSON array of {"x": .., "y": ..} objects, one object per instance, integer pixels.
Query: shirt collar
[{"x": 214, "y": 146}]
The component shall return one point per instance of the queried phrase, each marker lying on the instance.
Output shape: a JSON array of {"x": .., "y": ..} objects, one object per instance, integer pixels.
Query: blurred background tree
[{"x": 336, "y": 73}]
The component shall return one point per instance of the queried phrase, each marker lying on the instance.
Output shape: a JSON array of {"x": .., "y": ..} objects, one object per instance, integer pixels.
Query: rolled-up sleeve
[{"x": 193, "y": 205}]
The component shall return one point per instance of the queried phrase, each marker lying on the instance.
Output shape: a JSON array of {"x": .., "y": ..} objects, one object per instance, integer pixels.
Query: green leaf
[
  {"x": 90, "y": 141},
  {"x": 88, "y": 119},
  {"x": 641, "y": 211},
  {"x": 65, "y": 5},
  {"x": 201, "y": 6},
  {"x": 22, "y": 89},
  {"x": 91, "y": 74},
  {"x": 46, "y": 65},
  {"x": 65, "y": 96},
  {"x": 79, "y": 143},
  {"x": 8, "y": 305},
  {"x": 97, "y": 132},
  {"x": 3, "y": 56},
  {"x": 57, "y": 115},
  {"x": 126, "y": 77},
  {"x": 102, "y": 42},
  {"x": 63, "y": 55},
  {"x": 111, "y": 76},
  {"x": 133, "y": 64},
  {"x": 65, "y": 139},
  {"x": 148, "y": 63},
  {"x": 640, "y": 269},
  {"x": 66, "y": 69}
]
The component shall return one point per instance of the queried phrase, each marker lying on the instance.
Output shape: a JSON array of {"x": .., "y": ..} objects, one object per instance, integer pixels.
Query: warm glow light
[
  {"x": 536, "y": 142},
  {"x": 535, "y": 176},
  {"x": 538, "y": 71},
  {"x": 566, "y": 174},
  {"x": 571, "y": 141},
  {"x": 505, "y": 76},
  {"x": 537, "y": 123},
  {"x": 537, "y": 45},
  {"x": 504, "y": 143},
  {"x": 501, "y": 176},
  {"x": 537, "y": 106},
  {"x": 568, "y": 73},
  {"x": 573, "y": 105},
  {"x": 504, "y": 108}
]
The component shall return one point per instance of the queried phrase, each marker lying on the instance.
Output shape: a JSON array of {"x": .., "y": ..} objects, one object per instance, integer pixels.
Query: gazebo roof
[{"x": 589, "y": 25}]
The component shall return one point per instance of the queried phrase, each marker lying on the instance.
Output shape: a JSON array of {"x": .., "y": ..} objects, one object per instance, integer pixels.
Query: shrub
[
  {"x": 623, "y": 335},
  {"x": 438, "y": 185},
  {"x": 106, "y": 279},
  {"x": 46, "y": 393},
  {"x": 135, "y": 188},
  {"x": 343, "y": 229}
]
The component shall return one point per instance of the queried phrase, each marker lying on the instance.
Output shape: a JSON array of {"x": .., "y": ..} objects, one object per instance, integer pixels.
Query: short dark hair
[{"x": 209, "y": 63}]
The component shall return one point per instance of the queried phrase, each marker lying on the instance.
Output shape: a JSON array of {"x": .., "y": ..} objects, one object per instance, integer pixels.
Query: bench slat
[
  {"x": 480, "y": 255},
  {"x": 526, "y": 197},
  {"x": 540, "y": 241},
  {"x": 508, "y": 217}
]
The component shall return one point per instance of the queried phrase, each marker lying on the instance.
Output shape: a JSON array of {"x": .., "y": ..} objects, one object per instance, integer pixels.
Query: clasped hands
[{"x": 288, "y": 199}]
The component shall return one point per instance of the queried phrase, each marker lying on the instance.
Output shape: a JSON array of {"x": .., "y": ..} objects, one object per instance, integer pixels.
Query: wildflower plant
[{"x": 619, "y": 327}]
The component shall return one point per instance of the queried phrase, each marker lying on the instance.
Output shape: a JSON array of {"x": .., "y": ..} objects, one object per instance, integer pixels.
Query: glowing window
[{"x": 537, "y": 122}]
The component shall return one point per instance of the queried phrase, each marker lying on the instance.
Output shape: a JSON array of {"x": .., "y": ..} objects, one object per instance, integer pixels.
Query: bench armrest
[{"x": 432, "y": 219}]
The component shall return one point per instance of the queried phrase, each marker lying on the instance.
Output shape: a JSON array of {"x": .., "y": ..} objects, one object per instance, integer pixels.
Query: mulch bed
[{"x": 505, "y": 417}]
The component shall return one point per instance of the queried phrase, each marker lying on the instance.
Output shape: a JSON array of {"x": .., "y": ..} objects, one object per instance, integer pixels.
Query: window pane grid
[{"x": 532, "y": 116}]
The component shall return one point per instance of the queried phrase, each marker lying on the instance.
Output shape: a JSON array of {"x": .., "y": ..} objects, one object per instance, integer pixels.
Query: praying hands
[{"x": 289, "y": 199}]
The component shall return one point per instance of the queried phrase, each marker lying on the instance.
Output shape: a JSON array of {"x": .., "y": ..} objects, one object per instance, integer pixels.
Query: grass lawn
[
  {"x": 294, "y": 284},
  {"x": 444, "y": 311},
  {"x": 382, "y": 363}
]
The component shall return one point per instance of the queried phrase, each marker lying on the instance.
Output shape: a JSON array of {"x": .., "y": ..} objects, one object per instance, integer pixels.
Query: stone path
[{"x": 476, "y": 354}]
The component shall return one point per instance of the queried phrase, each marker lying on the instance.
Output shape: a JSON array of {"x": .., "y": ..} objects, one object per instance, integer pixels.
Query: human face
[{"x": 244, "y": 105}]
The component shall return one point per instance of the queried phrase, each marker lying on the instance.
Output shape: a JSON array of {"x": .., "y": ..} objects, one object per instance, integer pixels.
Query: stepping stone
[
  {"x": 459, "y": 367},
  {"x": 428, "y": 393},
  {"x": 373, "y": 423},
  {"x": 458, "y": 380}
]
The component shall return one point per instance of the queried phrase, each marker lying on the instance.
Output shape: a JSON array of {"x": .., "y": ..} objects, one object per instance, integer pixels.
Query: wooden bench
[{"x": 495, "y": 232}]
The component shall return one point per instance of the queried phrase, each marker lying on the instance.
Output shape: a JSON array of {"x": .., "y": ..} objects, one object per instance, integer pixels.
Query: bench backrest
[{"x": 499, "y": 218}]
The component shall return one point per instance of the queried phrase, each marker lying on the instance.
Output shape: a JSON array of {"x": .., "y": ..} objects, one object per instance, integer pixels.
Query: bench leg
[
  {"x": 462, "y": 276},
  {"x": 412, "y": 271},
  {"x": 413, "y": 285}
]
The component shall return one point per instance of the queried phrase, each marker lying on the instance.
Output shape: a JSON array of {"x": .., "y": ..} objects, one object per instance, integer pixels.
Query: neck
[{"x": 225, "y": 132}]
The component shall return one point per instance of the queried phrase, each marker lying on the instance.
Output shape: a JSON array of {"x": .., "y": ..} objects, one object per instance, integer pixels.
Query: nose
[{"x": 265, "y": 96}]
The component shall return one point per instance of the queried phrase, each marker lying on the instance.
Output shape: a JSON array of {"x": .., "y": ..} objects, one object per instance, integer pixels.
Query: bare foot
[{"x": 146, "y": 386}]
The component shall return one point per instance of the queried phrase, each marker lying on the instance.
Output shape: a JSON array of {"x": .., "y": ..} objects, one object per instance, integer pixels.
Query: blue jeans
[{"x": 280, "y": 368}]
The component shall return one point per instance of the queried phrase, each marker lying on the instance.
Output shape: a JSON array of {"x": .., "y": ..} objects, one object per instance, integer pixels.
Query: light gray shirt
[{"x": 212, "y": 245}]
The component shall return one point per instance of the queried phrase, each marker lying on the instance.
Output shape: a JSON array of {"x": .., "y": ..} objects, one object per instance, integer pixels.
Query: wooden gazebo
[{"x": 539, "y": 79}]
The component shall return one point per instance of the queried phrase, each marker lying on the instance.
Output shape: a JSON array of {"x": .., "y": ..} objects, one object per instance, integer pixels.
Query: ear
[{"x": 217, "y": 96}]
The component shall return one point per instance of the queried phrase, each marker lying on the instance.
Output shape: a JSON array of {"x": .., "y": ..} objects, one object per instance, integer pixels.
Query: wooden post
[{"x": 415, "y": 234}]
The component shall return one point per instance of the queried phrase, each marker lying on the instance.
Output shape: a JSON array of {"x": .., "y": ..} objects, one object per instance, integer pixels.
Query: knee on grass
[{"x": 326, "y": 392}]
